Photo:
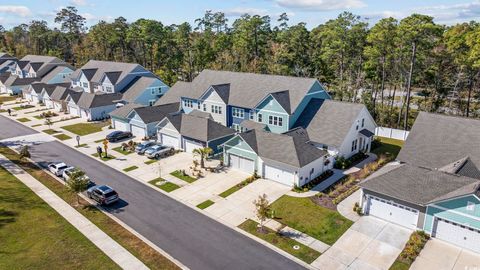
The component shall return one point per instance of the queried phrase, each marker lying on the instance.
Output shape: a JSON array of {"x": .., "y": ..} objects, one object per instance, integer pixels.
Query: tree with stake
[
  {"x": 203, "y": 153},
  {"x": 24, "y": 152},
  {"x": 262, "y": 209},
  {"x": 77, "y": 183},
  {"x": 48, "y": 122}
]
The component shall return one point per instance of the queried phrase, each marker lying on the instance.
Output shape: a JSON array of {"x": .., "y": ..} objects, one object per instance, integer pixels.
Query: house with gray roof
[
  {"x": 92, "y": 107},
  {"x": 435, "y": 184},
  {"x": 14, "y": 85},
  {"x": 342, "y": 128},
  {"x": 233, "y": 97},
  {"x": 289, "y": 158},
  {"x": 134, "y": 82},
  {"x": 7, "y": 63},
  {"x": 191, "y": 131},
  {"x": 48, "y": 69}
]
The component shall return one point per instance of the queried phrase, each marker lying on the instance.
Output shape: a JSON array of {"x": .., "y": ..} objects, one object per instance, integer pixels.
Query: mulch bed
[{"x": 324, "y": 201}]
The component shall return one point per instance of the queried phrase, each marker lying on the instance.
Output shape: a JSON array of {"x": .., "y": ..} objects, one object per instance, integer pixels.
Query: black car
[{"x": 118, "y": 135}]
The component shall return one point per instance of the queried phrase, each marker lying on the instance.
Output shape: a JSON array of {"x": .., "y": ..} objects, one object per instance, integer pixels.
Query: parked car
[
  {"x": 68, "y": 172},
  {"x": 143, "y": 146},
  {"x": 158, "y": 151},
  {"x": 103, "y": 194},
  {"x": 57, "y": 168},
  {"x": 118, "y": 135}
]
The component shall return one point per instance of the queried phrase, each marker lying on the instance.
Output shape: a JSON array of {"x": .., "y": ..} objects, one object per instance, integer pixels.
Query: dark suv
[
  {"x": 103, "y": 195},
  {"x": 118, "y": 135}
]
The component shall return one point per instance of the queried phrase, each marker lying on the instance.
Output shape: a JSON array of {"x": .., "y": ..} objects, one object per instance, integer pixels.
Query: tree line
[{"x": 381, "y": 65}]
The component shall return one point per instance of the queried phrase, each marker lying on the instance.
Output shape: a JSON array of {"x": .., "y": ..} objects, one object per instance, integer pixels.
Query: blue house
[{"x": 233, "y": 98}]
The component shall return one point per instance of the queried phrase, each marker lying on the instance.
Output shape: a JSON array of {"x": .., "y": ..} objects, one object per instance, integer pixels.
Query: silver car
[
  {"x": 143, "y": 146},
  {"x": 158, "y": 151}
]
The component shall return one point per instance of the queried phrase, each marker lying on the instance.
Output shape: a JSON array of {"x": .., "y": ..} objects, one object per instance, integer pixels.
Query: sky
[{"x": 311, "y": 12}]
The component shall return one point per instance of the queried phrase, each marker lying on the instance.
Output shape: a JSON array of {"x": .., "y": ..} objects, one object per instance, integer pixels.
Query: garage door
[
  {"x": 49, "y": 103},
  {"x": 240, "y": 163},
  {"x": 73, "y": 110},
  {"x": 137, "y": 131},
  {"x": 34, "y": 98},
  {"x": 122, "y": 126},
  {"x": 279, "y": 175},
  {"x": 392, "y": 212},
  {"x": 191, "y": 145},
  {"x": 457, "y": 234},
  {"x": 169, "y": 140}
]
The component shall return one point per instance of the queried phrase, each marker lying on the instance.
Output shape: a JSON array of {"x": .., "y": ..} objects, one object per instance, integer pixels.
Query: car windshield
[
  {"x": 103, "y": 188},
  {"x": 114, "y": 133},
  {"x": 156, "y": 147},
  {"x": 61, "y": 167},
  {"x": 144, "y": 144}
]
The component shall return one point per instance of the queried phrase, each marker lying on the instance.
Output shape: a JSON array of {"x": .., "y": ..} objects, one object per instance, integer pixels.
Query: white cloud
[
  {"x": 93, "y": 18},
  {"x": 79, "y": 2},
  {"x": 321, "y": 5},
  {"x": 235, "y": 12},
  {"x": 452, "y": 13},
  {"x": 22, "y": 11}
]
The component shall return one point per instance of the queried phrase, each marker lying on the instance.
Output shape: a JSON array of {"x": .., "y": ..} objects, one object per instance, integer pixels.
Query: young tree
[
  {"x": 203, "y": 153},
  {"x": 77, "y": 183},
  {"x": 48, "y": 122},
  {"x": 24, "y": 152},
  {"x": 262, "y": 209}
]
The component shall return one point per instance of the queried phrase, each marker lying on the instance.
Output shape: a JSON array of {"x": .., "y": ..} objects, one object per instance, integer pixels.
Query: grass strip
[
  {"x": 205, "y": 204},
  {"x": 184, "y": 177},
  {"x": 62, "y": 137},
  {"x": 164, "y": 185},
  {"x": 131, "y": 168},
  {"x": 119, "y": 150}
]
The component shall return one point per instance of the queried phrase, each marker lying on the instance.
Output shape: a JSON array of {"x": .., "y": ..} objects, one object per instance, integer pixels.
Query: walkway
[{"x": 111, "y": 248}]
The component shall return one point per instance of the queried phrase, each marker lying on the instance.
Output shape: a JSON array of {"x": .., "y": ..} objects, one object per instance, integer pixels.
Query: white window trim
[{"x": 238, "y": 113}]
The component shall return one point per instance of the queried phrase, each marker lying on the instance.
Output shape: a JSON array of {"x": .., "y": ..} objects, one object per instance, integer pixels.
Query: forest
[{"x": 395, "y": 67}]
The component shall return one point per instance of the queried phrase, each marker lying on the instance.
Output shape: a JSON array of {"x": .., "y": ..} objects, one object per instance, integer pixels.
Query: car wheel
[{"x": 157, "y": 156}]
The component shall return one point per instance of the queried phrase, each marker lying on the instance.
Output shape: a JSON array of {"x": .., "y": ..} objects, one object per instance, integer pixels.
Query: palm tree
[{"x": 203, "y": 153}]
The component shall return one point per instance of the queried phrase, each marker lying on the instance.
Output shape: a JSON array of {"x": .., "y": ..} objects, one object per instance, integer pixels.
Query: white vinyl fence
[{"x": 392, "y": 133}]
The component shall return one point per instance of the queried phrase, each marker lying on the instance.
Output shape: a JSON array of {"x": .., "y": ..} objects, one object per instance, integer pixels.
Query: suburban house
[
  {"x": 191, "y": 131},
  {"x": 14, "y": 85},
  {"x": 92, "y": 106},
  {"x": 233, "y": 97},
  {"x": 435, "y": 185},
  {"x": 48, "y": 68},
  {"x": 3, "y": 78},
  {"x": 342, "y": 128},
  {"x": 35, "y": 92},
  {"x": 59, "y": 96},
  {"x": 141, "y": 120},
  {"x": 289, "y": 158},
  {"x": 7, "y": 63},
  {"x": 137, "y": 84}
]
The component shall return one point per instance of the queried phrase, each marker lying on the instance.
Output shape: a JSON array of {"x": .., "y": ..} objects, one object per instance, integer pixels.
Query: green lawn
[
  {"x": 51, "y": 131},
  {"x": 99, "y": 141},
  {"x": 81, "y": 145},
  {"x": 150, "y": 161},
  {"x": 109, "y": 157},
  {"x": 19, "y": 108},
  {"x": 397, "y": 265},
  {"x": 131, "y": 168},
  {"x": 186, "y": 178},
  {"x": 23, "y": 120},
  {"x": 34, "y": 236},
  {"x": 37, "y": 117},
  {"x": 387, "y": 147},
  {"x": 150, "y": 257},
  {"x": 7, "y": 99},
  {"x": 36, "y": 125},
  {"x": 303, "y": 252},
  {"x": 165, "y": 186},
  {"x": 305, "y": 216},
  {"x": 205, "y": 204},
  {"x": 237, "y": 187},
  {"x": 62, "y": 137},
  {"x": 119, "y": 150},
  {"x": 85, "y": 128}
]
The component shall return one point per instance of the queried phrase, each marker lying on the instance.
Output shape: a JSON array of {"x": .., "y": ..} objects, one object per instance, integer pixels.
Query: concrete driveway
[
  {"x": 370, "y": 243},
  {"x": 439, "y": 255}
]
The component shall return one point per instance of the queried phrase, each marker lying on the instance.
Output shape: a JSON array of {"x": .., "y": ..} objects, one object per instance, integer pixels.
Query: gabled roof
[
  {"x": 124, "y": 111},
  {"x": 419, "y": 185},
  {"x": 198, "y": 128},
  {"x": 38, "y": 87},
  {"x": 132, "y": 91},
  {"x": 61, "y": 92},
  {"x": 49, "y": 71},
  {"x": 5, "y": 76},
  {"x": 246, "y": 89},
  {"x": 89, "y": 100},
  {"x": 327, "y": 121},
  {"x": 223, "y": 90},
  {"x": 113, "y": 76},
  {"x": 249, "y": 125},
  {"x": 14, "y": 80},
  {"x": 177, "y": 91},
  {"x": 37, "y": 62},
  {"x": 438, "y": 140},
  {"x": 151, "y": 114},
  {"x": 201, "y": 114},
  {"x": 292, "y": 148},
  {"x": 75, "y": 96},
  {"x": 283, "y": 98},
  {"x": 48, "y": 89},
  {"x": 35, "y": 66}
]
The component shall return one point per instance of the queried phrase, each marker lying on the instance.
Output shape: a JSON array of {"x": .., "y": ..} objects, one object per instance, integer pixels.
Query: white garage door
[
  {"x": 137, "y": 131},
  {"x": 457, "y": 234},
  {"x": 49, "y": 103},
  {"x": 240, "y": 163},
  {"x": 122, "y": 126},
  {"x": 191, "y": 145},
  {"x": 279, "y": 175},
  {"x": 34, "y": 98},
  {"x": 392, "y": 212},
  {"x": 169, "y": 140},
  {"x": 73, "y": 110}
]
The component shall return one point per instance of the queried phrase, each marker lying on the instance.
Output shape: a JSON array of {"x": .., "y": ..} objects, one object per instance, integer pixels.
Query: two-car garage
[
  {"x": 457, "y": 234},
  {"x": 392, "y": 211},
  {"x": 241, "y": 163}
]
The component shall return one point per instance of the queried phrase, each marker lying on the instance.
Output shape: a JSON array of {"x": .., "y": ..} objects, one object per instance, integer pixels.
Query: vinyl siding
[
  {"x": 316, "y": 91},
  {"x": 240, "y": 148},
  {"x": 270, "y": 107}
]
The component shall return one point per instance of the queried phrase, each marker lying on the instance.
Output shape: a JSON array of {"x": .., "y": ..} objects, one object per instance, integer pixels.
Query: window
[
  {"x": 237, "y": 128},
  {"x": 153, "y": 91},
  {"x": 216, "y": 109},
  {"x": 275, "y": 120},
  {"x": 108, "y": 89},
  {"x": 151, "y": 102},
  {"x": 354, "y": 145},
  {"x": 470, "y": 206},
  {"x": 239, "y": 113},
  {"x": 363, "y": 122},
  {"x": 252, "y": 115},
  {"x": 85, "y": 85},
  {"x": 259, "y": 116},
  {"x": 188, "y": 103},
  {"x": 204, "y": 107},
  {"x": 198, "y": 105}
]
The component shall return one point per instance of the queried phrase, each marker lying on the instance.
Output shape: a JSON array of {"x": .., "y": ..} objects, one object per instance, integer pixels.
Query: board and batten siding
[{"x": 270, "y": 107}]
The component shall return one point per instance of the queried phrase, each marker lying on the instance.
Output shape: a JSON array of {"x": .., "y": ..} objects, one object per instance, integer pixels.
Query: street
[{"x": 196, "y": 240}]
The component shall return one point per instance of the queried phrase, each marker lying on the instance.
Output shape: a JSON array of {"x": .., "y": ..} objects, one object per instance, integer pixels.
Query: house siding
[
  {"x": 214, "y": 144},
  {"x": 345, "y": 149},
  {"x": 211, "y": 98},
  {"x": 317, "y": 91},
  {"x": 270, "y": 107},
  {"x": 239, "y": 147},
  {"x": 145, "y": 97},
  {"x": 100, "y": 113},
  {"x": 61, "y": 76}
]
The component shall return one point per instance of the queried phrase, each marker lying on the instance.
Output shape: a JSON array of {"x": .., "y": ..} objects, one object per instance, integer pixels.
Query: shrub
[
  {"x": 326, "y": 174},
  {"x": 413, "y": 247}
]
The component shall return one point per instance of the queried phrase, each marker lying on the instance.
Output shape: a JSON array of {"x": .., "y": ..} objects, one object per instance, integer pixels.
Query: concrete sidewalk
[{"x": 111, "y": 248}]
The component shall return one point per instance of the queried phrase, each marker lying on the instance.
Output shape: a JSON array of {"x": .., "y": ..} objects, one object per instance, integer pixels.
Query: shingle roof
[
  {"x": 151, "y": 114},
  {"x": 38, "y": 62},
  {"x": 75, "y": 95},
  {"x": 178, "y": 90},
  {"x": 223, "y": 90},
  {"x": 438, "y": 140},
  {"x": 327, "y": 121},
  {"x": 51, "y": 70},
  {"x": 14, "y": 80},
  {"x": 249, "y": 125},
  {"x": 292, "y": 148},
  {"x": 246, "y": 89},
  {"x": 61, "y": 92},
  {"x": 124, "y": 111},
  {"x": 37, "y": 87},
  {"x": 136, "y": 88},
  {"x": 419, "y": 185},
  {"x": 89, "y": 100},
  {"x": 199, "y": 128},
  {"x": 201, "y": 114}
]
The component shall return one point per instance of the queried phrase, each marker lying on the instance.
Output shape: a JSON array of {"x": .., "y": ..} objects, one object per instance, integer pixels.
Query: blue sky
[{"x": 312, "y": 12}]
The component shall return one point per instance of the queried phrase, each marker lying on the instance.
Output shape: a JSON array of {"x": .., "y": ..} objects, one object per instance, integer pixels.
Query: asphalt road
[
  {"x": 10, "y": 128},
  {"x": 194, "y": 239}
]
